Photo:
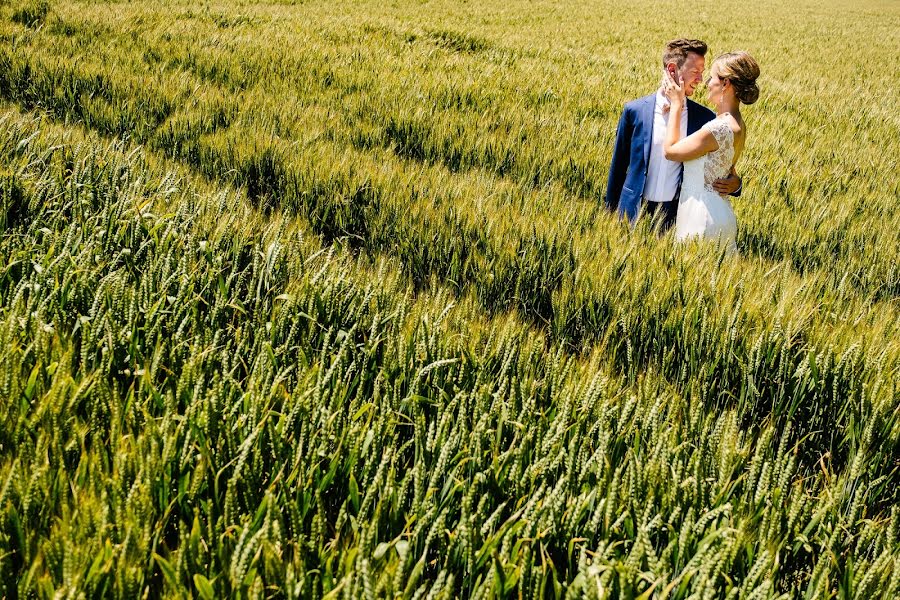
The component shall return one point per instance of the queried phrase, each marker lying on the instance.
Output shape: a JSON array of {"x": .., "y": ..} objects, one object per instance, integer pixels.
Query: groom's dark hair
[{"x": 677, "y": 50}]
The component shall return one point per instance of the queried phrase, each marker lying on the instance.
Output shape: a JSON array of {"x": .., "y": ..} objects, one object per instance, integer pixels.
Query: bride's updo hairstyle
[{"x": 742, "y": 71}]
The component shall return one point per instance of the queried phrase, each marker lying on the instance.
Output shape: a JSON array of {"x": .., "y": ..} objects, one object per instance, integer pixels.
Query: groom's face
[{"x": 691, "y": 72}]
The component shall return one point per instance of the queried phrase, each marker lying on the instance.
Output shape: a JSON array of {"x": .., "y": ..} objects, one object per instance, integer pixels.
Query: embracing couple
[{"x": 675, "y": 158}]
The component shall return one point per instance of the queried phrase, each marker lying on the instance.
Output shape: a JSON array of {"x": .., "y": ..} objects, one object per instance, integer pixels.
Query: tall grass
[
  {"x": 208, "y": 402},
  {"x": 297, "y": 113},
  {"x": 354, "y": 321},
  {"x": 466, "y": 180}
]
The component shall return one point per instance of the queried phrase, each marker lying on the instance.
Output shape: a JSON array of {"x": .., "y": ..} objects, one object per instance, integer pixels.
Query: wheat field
[{"x": 306, "y": 299}]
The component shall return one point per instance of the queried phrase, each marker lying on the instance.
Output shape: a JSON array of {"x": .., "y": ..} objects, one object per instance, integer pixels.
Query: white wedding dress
[{"x": 702, "y": 212}]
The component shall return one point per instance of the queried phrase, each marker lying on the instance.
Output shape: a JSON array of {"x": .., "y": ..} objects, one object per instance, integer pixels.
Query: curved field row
[
  {"x": 208, "y": 88},
  {"x": 209, "y": 402},
  {"x": 750, "y": 332}
]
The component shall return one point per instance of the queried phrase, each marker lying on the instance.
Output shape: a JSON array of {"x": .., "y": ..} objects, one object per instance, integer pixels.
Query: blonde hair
[{"x": 742, "y": 71}]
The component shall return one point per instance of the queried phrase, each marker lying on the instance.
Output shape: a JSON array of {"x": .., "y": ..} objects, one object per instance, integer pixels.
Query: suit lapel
[
  {"x": 647, "y": 116},
  {"x": 693, "y": 121}
]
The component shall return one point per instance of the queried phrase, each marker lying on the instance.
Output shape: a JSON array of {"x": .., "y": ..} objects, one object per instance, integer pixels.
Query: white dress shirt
[{"x": 663, "y": 175}]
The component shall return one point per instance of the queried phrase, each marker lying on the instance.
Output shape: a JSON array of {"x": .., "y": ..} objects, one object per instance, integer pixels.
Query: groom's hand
[{"x": 727, "y": 185}]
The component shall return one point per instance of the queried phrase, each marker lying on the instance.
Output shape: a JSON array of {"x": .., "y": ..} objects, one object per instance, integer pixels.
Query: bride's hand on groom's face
[{"x": 672, "y": 88}]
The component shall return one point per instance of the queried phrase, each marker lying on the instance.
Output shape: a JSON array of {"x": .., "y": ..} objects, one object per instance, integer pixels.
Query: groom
[{"x": 639, "y": 174}]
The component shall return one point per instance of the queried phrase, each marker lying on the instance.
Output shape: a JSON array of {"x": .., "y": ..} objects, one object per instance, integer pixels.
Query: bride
[{"x": 710, "y": 153}]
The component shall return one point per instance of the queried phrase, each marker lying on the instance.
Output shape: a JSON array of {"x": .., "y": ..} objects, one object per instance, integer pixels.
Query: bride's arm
[{"x": 693, "y": 146}]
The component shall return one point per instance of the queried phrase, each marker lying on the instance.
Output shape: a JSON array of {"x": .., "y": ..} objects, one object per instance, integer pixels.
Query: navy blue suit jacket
[{"x": 631, "y": 154}]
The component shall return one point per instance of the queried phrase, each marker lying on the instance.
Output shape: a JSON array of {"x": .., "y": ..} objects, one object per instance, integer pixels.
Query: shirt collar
[{"x": 661, "y": 101}]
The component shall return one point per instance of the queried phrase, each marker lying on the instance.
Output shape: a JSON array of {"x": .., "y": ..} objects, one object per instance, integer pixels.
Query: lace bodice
[{"x": 716, "y": 164}]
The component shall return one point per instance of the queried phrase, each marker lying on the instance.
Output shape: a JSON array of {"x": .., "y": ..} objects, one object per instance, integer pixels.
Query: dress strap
[{"x": 720, "y": 130}]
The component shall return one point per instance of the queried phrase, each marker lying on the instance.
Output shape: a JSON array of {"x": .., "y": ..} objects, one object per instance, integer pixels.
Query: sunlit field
[{"x": 321, "y": 300}]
